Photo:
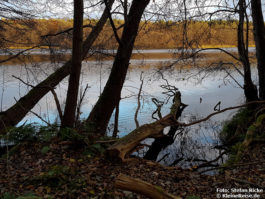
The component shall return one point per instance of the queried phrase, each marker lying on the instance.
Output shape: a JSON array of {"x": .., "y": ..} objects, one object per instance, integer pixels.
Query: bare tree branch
[
  {"x": 57, "y": 104},
  {"x": 138, "y": 101},
  {"x": 82, "y": 96},
  {"x": 19, "y": 53},
  {"x": 65, "y": 31},
  {"x": 218, "y": 112},
  {"x": 112, "y": 24}
]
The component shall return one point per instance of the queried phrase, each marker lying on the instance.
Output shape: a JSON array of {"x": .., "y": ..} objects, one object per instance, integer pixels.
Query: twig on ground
[{"x": 246, "y": 182}]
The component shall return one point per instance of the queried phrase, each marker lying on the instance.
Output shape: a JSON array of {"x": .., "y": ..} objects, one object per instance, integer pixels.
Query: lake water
[
  {"x": 69, "y": 51},
  {"x": 201, "y": 90}
]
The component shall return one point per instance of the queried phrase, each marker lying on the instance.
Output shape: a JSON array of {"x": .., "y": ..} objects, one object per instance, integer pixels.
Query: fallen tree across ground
[
  {"x": 127, "y": 144},
  {"x": 120, "y": 150}
]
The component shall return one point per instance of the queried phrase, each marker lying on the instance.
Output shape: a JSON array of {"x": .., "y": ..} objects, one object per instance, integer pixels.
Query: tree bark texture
[
  {"x": 138, "y": 186},
  {"x": 18, "y": 111},
  {"x": 250, "y": 89},
  {"x": 101, "y": 113},
  {"x": 73, "y": 86},
  {"x": 259, "y": 36}
]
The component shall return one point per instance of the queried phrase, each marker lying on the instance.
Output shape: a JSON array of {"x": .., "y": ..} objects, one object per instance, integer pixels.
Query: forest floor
[{"x": 61, "y": 169}]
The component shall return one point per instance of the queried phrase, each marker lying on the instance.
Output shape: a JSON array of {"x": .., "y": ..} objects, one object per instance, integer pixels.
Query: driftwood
[
  {"x": 126, "y": 145},
  {"x": 138, "y": 186}
]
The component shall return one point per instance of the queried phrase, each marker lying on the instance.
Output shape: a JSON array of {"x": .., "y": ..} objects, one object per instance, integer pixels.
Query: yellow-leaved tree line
[{"x": 153, "y": 35}]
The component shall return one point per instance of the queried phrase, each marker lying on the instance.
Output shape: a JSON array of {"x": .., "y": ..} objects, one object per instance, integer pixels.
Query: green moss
[
  {"x": 242, "y": 119},
  {"x": 8, "y": 195},
  {"x": 252, "y": 128},
  {"x": 249, "y": 136},
  {"x": 242, "y": 127},
  {"x": 236, "y": 152},
  {"x": 45, "y": 149},
  {"x": 70, "y": 134},
  {"x": 30, "y": 133},
  {"x": 260, "y": 119}
]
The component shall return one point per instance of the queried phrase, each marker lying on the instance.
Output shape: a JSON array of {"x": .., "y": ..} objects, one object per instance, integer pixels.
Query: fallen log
[
  {"x": 124, "y": 146},
  {"x": 138, "y": 186}
]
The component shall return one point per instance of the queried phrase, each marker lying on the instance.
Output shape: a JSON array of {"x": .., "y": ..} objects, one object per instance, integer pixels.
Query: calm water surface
[{"x": 200, "y": 89}]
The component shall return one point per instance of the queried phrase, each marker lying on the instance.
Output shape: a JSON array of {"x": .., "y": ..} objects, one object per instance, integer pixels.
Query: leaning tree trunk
[
  {"x": 259, "y": 36},
  {"x": 250, "y": 89},
  {"x": 101, "y": 113},
  {"x": 17, "y": 112},
  {"x": 125, "y": 146},
  {"x": 72, "y": 92},
  {"x": 162, "y": 142}
]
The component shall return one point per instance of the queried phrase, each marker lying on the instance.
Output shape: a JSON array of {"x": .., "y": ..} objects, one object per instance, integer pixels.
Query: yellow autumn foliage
[{"x": 152, "y": 35}]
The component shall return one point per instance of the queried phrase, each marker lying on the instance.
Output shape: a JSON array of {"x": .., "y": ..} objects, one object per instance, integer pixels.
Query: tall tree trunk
[
  {"x": 73, "y": 87},
  {"x": 17, "y": 112},
  {"x": 250, "y": 89},
  {"x": 259, "y": 36},
  {"x": 101, "y": 113},
  {"x": 116, "y": 120}
]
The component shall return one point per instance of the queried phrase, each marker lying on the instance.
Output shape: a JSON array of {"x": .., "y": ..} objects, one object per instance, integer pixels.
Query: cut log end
[{"x": 114, "y": 155}]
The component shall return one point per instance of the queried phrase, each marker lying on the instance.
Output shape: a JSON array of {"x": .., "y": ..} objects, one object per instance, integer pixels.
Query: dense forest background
[
  {"x": 74, "y": 157},
  {"x": 152, "y": 35}
]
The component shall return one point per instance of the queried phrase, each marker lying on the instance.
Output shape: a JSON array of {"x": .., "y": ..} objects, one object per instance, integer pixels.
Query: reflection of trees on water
[
  {"x": 190, "y": 147},
  {"x": 189, "y": 139},
  {"x": 193, "y": 146}
]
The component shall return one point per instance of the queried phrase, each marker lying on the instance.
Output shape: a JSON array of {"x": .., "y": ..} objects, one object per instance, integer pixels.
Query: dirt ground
[{"x": 64, "y": 170}]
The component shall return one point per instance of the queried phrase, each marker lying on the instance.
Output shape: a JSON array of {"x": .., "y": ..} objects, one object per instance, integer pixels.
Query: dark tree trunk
[
  {"x": 160, "y": 143},
  {"x": 250, "y": 89},
  {"x": 101, "y": 113},
  {"x": 259, "y": 36},
  {"x": 17, "y": 112},
  {"x": 73, "y": 87},
  {"x": 120, "y": 150},
  {"x": 116, "y": 120}
]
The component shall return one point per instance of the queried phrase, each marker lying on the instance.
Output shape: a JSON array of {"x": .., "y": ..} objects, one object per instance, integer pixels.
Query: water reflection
[{"x": 200, "y": 90}]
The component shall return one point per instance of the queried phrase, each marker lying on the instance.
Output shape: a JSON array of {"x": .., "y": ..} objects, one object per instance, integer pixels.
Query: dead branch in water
[
  {"x": 138, "y": 100},
  {"x": 218, "y": 112}
]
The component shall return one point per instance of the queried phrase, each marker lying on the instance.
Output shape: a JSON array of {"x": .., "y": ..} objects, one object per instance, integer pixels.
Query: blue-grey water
[
  {"x": 201, "y": 90},
  {"x": 146, "y": 51}
]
